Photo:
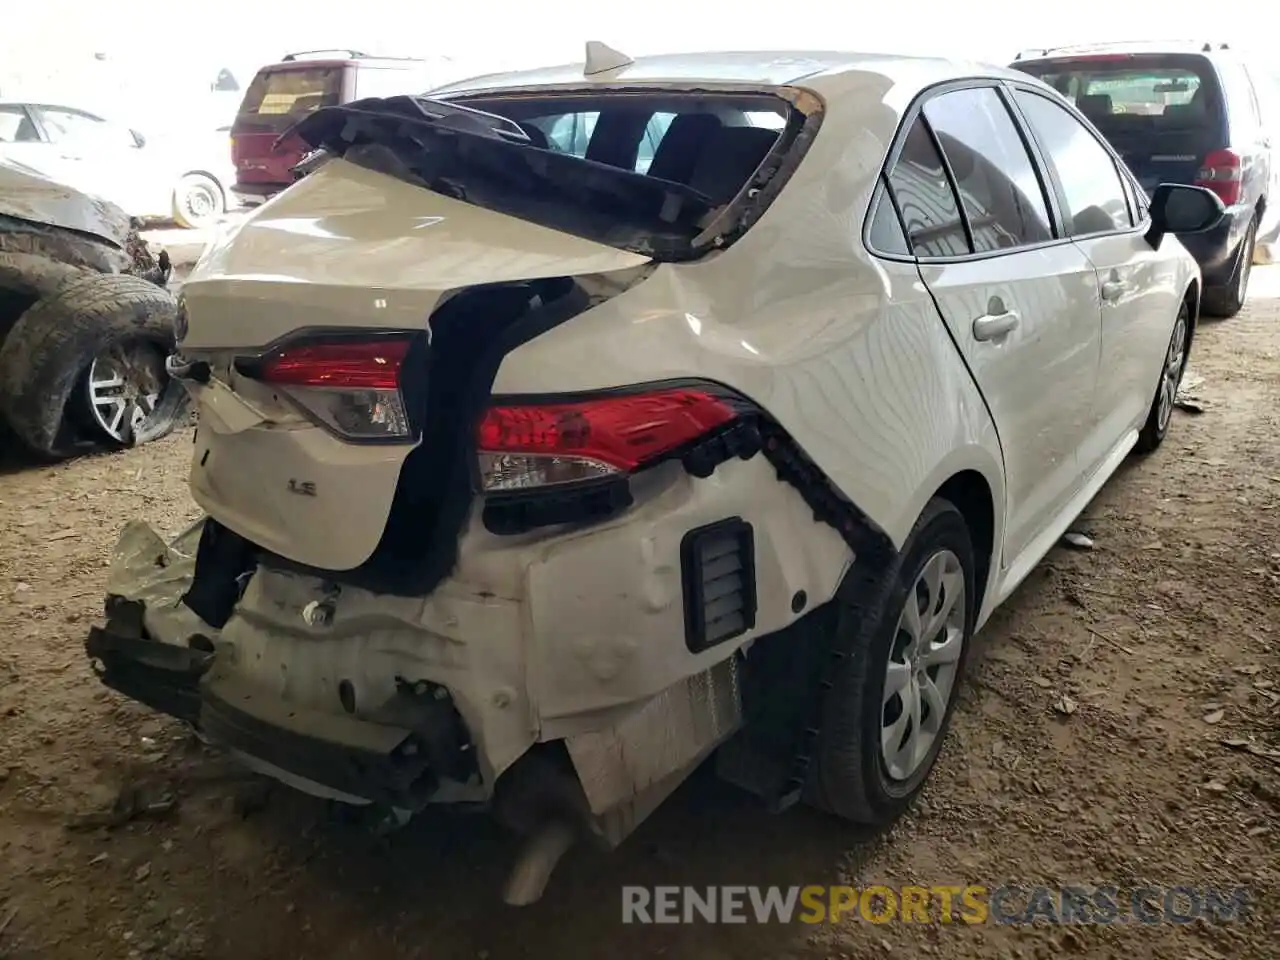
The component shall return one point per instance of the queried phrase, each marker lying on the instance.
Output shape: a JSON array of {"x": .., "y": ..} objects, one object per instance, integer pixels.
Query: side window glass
[
  {"x": 568, "y": 132},
  {"x": 886, "y": 231},
  {"x": 654, "y": 131},
  {"x": 1094, "y": 194},
  {"x": 1242, "y": 110},
  {"x": 998, "y": 185},
  {"x": 929, "y": 209},
  {"x": 16, "y": 126}
]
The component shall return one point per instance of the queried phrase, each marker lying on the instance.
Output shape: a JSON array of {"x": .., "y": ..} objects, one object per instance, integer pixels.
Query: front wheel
[
  {"x": 1171, "y": 371},
  {"x": 85, "y": 364},
  {"x": 889, "y": 709},
  {"x": 198, "y": 201}
]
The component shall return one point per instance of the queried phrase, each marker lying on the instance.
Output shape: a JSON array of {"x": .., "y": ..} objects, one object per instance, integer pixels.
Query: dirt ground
[{"x": 1121, "y": 726}]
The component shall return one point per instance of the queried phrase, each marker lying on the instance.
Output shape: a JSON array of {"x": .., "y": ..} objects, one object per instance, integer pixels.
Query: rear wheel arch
[
  {"x": 1192, "y": 299},
  {"x": 970, "y": 493}
]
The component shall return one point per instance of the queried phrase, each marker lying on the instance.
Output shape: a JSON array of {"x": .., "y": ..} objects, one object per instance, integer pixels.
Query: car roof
[
  {"x": 311, "y": 58},
  {"x": 1123, "y": 47},
  {"x": 820, "y": 70}
]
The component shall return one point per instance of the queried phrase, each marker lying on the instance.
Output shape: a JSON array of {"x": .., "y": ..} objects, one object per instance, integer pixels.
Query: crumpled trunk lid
[{"x": 347, "y": 249}]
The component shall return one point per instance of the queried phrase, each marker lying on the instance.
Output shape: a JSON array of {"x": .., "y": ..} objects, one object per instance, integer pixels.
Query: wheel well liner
[{"x": 969, "y": 492}]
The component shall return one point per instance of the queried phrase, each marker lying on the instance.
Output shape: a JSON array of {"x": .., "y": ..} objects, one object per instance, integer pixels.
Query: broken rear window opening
[
  {"x": 1140, "y": 93},
  {"x": 656, "y": 173}
]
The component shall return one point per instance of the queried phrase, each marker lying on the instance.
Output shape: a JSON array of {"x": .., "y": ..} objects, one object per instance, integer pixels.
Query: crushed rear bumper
[{"x": 357, "y": 760}]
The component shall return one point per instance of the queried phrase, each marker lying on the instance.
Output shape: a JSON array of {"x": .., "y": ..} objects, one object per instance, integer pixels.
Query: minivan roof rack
[
  {"x": 352, "y": 54},
  {"x": 1206, "y": 46}
]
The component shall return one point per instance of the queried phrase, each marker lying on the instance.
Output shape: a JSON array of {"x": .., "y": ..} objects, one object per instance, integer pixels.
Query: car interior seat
[
  {"x": 681, "y": 145},
  {"x": 729, "y": 156},
  {"x": 1094, "y": 105}
]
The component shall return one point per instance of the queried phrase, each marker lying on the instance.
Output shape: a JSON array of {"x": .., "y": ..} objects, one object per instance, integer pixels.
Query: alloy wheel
[
  {"x": 199, "y": 203},
  {"x": 1171, "y": 379},
  {"x": 1246, "y": 267},
  {"x": 124, "y": 387},
  {"x": 920, "y": 677}
]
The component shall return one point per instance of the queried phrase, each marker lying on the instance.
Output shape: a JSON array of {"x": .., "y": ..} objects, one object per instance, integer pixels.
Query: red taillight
[
  {"x": 350, "y": 386},
  {"x": 1221, "y": 173},
  {"x": 534, "y": 445},
  {"x": 369, "y": 365}
]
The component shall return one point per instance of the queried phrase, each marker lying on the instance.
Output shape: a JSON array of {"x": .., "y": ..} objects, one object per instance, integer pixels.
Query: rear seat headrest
[
  {"x": 681, "y": 144},
  {"x": 729, "y": 156}
]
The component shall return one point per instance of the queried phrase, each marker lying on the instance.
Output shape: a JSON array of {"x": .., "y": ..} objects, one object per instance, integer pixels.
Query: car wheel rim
[
  {"x": 1246, "y": 268},
  {"x": 124, "y": 389},
  {"x": 923, "y": 664},
  {"x": 200, "y": 203},
  {"x": 1172, "y": 376}
]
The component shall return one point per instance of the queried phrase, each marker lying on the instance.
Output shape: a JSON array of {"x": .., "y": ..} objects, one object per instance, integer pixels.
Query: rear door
[
  {"x": 1020, "y": 302},
  {"x": 1163, "y": 113},
  {"x": 279, "y": 96},
  {"x": 1137, "y": 291}
]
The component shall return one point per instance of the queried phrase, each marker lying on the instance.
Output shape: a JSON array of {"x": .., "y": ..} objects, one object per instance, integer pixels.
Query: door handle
[
  {"x": 1113, "y": 290},
  {"x": 995, "y": 326}
]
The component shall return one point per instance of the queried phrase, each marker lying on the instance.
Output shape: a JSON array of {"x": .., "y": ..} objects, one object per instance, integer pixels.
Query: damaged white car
[
  {"x": 561, "y": 429},
  {"x": 85, "y": 322}
]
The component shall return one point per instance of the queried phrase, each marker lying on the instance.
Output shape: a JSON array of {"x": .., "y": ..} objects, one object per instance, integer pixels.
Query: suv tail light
[
  {"x": 524, "y": 446},
  {"x": 1221, "y": 173},
  {"x": 352, "y": 387}
]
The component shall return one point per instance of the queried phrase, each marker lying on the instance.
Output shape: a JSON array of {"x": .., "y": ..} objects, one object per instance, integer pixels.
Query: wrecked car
[
  {"x": 86, "y": 321},
  {"x": 532, "y": 478}
]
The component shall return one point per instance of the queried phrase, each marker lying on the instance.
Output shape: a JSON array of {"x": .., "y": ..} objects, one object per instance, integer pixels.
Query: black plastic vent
[{"x": 718, "y": 564}]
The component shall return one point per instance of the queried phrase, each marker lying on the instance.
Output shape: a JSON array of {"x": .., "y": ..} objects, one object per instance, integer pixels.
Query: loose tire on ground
[
  {"x": 49, "y": 350},
  {"x": 849, "y": 778}
]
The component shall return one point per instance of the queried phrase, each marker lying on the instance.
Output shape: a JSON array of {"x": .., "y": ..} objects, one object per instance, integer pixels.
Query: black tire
[
  {"x": 48, "y": 352},
  {"x": 1226, "y": 301},
  {"x": 849, "y": 777},
  {"x": 1153, "y": 431},
  {"x": 198, "y": 201}
]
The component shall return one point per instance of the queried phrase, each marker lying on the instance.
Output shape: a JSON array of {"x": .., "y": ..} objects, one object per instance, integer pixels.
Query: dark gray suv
[{"x": 1180, "y": 113}]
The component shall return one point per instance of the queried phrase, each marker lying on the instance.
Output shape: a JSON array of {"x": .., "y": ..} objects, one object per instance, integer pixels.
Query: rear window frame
[{"x": 802, "y": 112}]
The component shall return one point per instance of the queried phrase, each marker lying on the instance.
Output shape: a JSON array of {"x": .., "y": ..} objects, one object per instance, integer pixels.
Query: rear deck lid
[
  {"x": 347, "y": 251},
  {"x": 1162, "y": 112}
]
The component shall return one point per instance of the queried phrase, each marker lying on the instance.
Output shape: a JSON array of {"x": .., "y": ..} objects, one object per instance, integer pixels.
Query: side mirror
[
  {"x": 1181, "y": 208},
  {"x": 139, "y": 140}
]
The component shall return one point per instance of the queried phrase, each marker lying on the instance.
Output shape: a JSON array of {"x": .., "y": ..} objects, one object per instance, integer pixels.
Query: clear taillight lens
[{"x": 352, "y": 387}]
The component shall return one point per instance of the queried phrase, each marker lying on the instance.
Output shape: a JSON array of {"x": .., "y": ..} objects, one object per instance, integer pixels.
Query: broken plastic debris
[
  {"x": 1078, "y": 540},
  {"x": 1065, "y": 705}
]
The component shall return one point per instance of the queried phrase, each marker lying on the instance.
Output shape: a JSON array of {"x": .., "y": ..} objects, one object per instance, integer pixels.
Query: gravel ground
[{"x": 1121, "y": 726}]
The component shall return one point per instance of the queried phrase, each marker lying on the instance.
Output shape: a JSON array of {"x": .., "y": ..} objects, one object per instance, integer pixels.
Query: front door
[
  {"x": 1136, "y": 287},
  {"x": 1020, "y": 302}
]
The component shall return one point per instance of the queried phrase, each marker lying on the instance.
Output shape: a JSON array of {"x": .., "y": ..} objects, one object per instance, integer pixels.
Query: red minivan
[{"x": 283, "y": 93}]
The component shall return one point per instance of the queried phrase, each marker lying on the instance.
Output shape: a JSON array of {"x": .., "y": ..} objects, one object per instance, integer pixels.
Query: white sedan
[
  {"x": 186, "y": 176},
  {"x": 538, "y": 467}
]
